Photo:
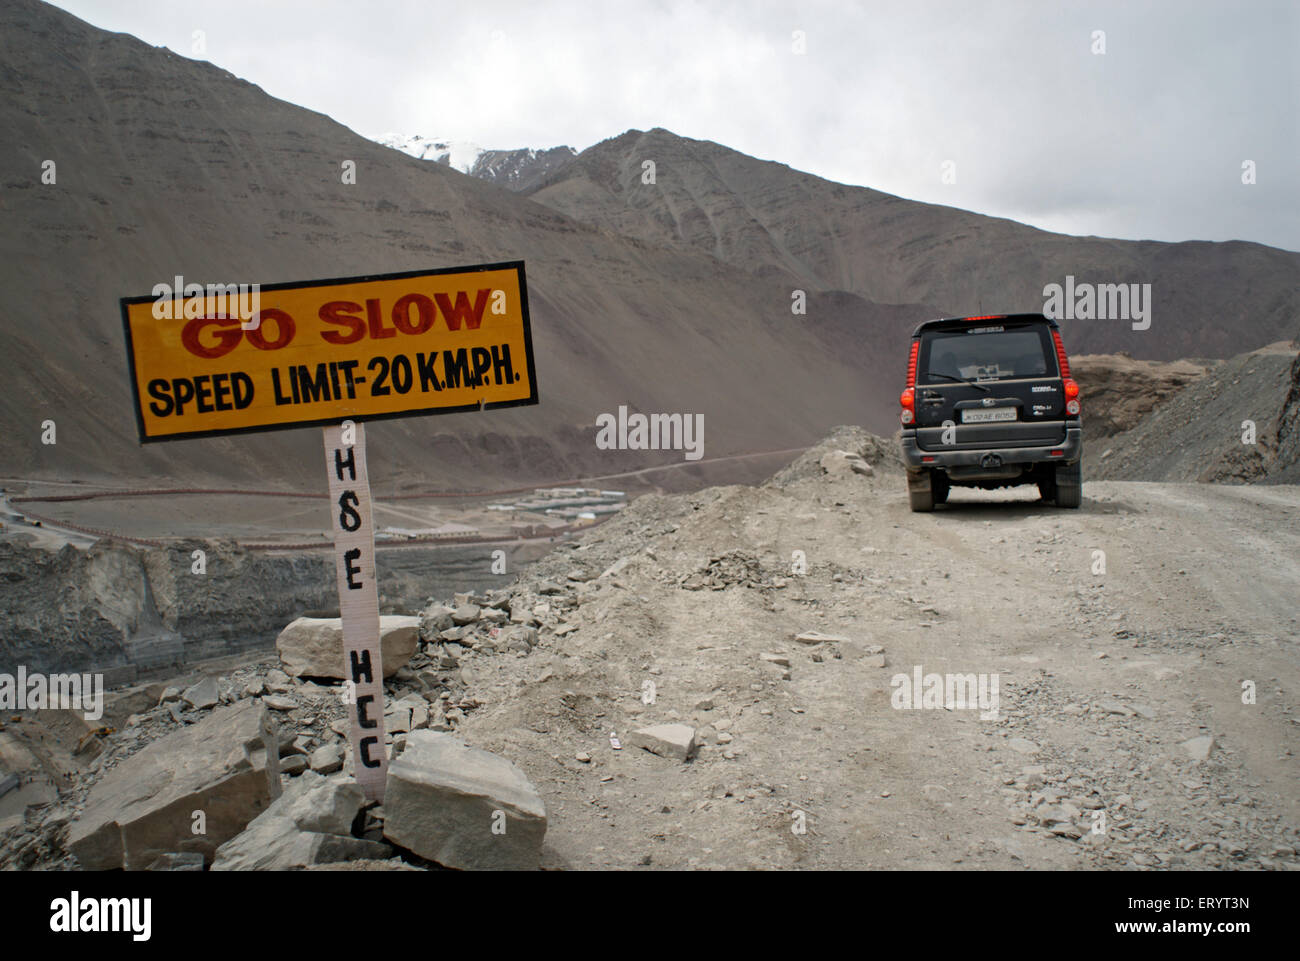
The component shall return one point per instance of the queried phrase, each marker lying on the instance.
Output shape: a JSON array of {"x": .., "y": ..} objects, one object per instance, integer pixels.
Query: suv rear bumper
[{"x": 974, "y": 460}]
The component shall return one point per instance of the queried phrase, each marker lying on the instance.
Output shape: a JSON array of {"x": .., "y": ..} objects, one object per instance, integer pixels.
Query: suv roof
[{"x": 954, "y": 321}]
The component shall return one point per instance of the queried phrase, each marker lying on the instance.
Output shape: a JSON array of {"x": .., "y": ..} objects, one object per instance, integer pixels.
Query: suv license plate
[{"x": 970, "y": 416}]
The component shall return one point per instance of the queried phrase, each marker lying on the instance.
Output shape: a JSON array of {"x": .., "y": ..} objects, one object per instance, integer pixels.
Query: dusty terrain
[
  {"x": 1189, "y": 607},
  {"x": 1120, "y": 391},
  {"x": 1102, "y": 678},
  {"x": 1200, "y": 433}
]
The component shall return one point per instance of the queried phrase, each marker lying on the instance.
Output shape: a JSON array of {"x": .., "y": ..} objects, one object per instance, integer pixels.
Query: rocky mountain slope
[
  {"x": 1201, "y": 432},
  {"x": 1120, "y": 391},
  {"x": 1209, "y": 299},
  {"x": 166, "y": 166}
]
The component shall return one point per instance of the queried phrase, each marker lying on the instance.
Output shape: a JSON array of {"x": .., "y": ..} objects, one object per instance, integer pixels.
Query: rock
[
  {"x": 169, "y": 694},
  {"x": 779, "y": 659},
  {"x": 666, "y": 740},
  {"x": 310, "y": 823},
  {"x": 277, "y": 703},
  {"x": 433, "y": 621},
  {"x": 119, "y": 705},
  {"x": 293, "y": 765},
  {"x": 313, "y": 646},
  {"x": 704, "y": 704},
  {"x": 327, "y": 805},
  {"x": 492, "y": 616},
  {"x": 549, "y": 587},
  {"x": 843, "y": 462},
  {"x": 1199, "y": 748},
  {"x": 583, "y": 756},
  {"x": 616, "y": 568},
  {"x": 282, "y": 848},
  {"x": 517, "y": 637},
  {"x": 365, "y": 864},
  {"x": 202, "y": 695},
  {"x": 143, "y": 807},
  {"x": 522, "y": 614},
  {"x": 1022, "y": 745},
  {"x": 254, "y": 688},
  {"x": 816, "y": 637},
  {"x": 326, "y": 759},
  {"x": 466, "y": 614},
  {"x": 277, "y": 681},
  {"x": 397, "y": 720},
  {"x": 419, "y": 714},
  {"x": 191, "y": 861},
  {"x": 1113, "y": 707},
  {"x": 444, "y": 797}
]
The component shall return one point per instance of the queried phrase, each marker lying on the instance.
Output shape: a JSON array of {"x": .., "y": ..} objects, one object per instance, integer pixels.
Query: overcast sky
[{"x": 1146, "y": 140}]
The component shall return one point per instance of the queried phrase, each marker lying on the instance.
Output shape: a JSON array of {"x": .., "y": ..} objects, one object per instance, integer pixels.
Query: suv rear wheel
[
  {"x": 1069, "y": 484},
  {"x": 920, "y": 491},
  {"x": 939, "y": 486},
  {"x": 1047, "y": 487}
]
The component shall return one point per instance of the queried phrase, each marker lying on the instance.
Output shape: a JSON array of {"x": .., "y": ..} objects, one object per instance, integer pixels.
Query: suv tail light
[
  {"x": 1071, "y": 397},
  {"x": 1071, "y": 388},
  {"x": 907, "y": 399},
  {"x": 1060, "y": 353}
]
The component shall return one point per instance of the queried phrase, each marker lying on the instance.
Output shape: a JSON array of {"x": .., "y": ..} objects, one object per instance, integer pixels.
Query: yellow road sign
[{"x": 319, "y": 352}]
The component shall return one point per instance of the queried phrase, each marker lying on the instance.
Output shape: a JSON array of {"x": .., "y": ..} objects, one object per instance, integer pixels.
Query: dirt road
[
  {"x": 1137, "y": 661},
  {"x": 1102, "y": 678}
]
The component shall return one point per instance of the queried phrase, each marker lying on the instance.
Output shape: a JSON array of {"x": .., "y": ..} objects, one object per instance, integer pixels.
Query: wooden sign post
[
  {"x": 331, "y": 354},
  {"x": 354, "y": 557}
]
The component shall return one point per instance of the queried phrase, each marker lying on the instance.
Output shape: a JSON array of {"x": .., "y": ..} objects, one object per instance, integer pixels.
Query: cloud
[{"x": 1145, "y": 140}]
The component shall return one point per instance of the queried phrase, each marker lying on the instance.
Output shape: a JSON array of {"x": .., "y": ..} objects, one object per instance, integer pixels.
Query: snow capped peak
[
  {"x": 513, "y": 169},
  {"x": 460, "y": 154}
]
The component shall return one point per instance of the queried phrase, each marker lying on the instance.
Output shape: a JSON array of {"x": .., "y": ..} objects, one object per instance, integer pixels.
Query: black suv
[{"x": 990, "y": 403}]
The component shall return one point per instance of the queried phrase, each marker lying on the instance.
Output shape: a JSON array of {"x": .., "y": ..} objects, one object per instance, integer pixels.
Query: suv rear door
[{"x": 996, "y": 380}]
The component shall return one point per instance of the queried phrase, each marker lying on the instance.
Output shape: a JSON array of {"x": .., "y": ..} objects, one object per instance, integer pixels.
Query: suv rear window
[{"x": 986, "y": 353}]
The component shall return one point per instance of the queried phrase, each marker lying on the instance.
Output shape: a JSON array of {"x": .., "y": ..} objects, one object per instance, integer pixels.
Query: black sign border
[{"x": 516, "y": 265}]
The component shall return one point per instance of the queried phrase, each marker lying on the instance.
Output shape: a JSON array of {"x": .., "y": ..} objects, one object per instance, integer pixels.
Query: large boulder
[
  {"x": 313, "y": 646},
  {"x": 462, "y": 807},
  {"x": 310, "y": 823},
  {"x": 666, "y": 740},
  {"x": 145, "y": 806}
]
